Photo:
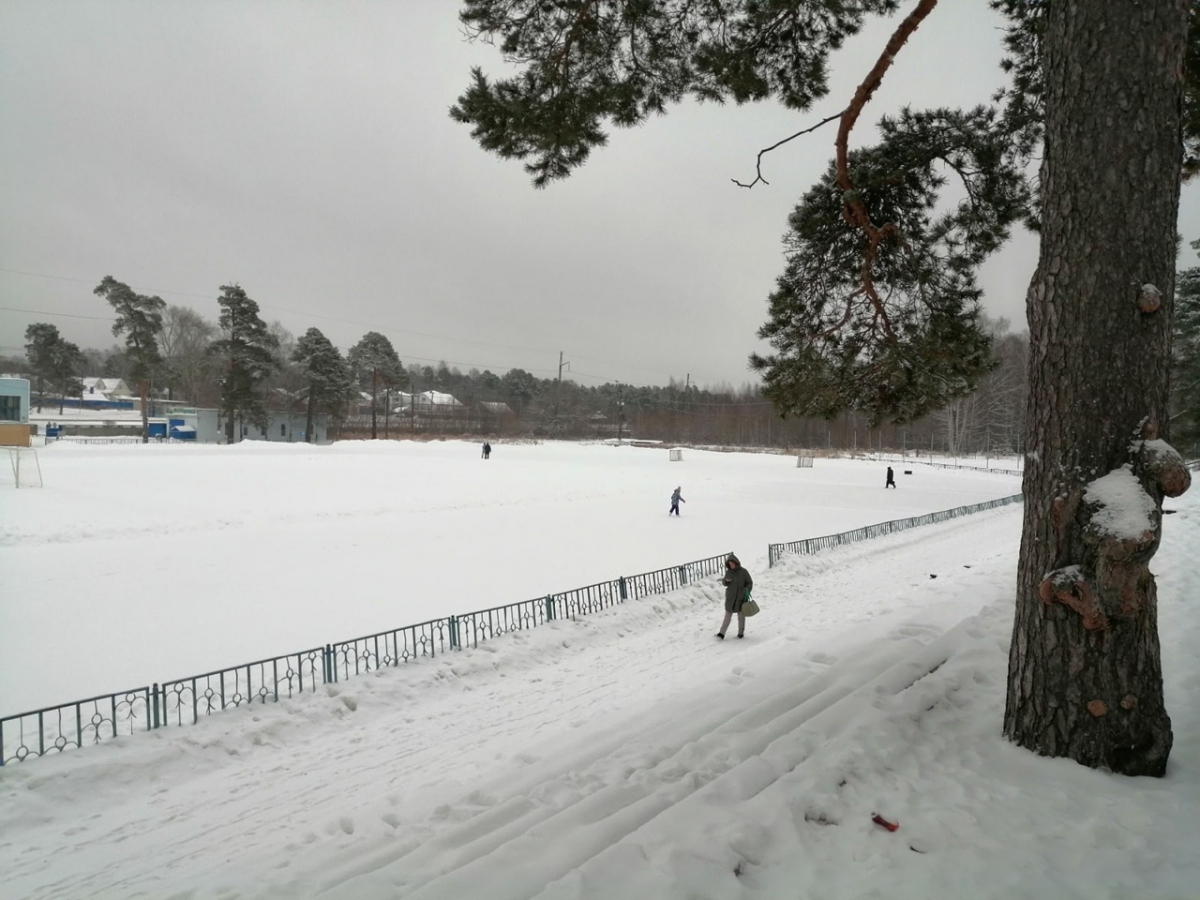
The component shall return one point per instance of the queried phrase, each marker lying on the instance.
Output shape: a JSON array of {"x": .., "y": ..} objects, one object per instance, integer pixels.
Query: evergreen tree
[
  {"x": 249, "y": 350},
  {"x": 375, "y": 365},
  {"x": 326, "y": 373},
  {"x": 41, "y": 340},
  {"x": 519, "y": 388},
  {"x": 140, "y": 319},
  {"x": 877, "y": 309},
  {"x": 1185, "y": 362},
  {"x": 67, "y": 366}
]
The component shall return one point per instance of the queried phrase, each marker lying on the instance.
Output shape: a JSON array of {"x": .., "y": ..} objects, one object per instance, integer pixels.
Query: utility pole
[
  {"x": 620, "y": 415},
  {"x": 557, "y": 389}
]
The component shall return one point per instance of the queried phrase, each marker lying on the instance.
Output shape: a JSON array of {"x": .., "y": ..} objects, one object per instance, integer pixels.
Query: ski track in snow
[{"x": 630, "y": 754}]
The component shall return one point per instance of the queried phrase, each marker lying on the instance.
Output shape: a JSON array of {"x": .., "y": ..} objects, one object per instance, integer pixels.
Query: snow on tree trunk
[{"x": 1085, "y": 678}]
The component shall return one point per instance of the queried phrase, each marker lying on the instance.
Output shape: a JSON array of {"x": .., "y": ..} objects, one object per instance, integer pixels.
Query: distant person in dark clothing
[
  {"x": 891, "y": 479},
  {"x": 676, "y": 499},
  {"x": 737, "y": 583},
  {"x": 487, "y": 450}
]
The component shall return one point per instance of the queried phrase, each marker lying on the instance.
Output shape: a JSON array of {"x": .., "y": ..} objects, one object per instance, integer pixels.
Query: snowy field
[
  {"x": 625, "y": 755},
  {"x": 171, "y": 560}
]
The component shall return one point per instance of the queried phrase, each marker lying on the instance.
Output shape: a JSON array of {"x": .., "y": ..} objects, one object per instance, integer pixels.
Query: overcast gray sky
[{"x": 303, "y": 150}]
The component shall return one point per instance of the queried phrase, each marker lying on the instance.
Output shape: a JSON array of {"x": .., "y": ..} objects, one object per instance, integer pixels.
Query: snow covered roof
[{"x": 430, "y": 398}]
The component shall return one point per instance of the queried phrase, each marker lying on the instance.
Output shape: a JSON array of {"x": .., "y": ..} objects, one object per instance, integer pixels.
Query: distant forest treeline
[{"x": 989, "y": 421}]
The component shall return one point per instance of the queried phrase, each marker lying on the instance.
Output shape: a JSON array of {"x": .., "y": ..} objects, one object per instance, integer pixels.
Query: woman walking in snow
[{"x": 737, "y": 583}]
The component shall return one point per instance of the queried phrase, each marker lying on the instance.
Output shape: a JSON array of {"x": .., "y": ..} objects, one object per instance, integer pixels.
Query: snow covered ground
[
  {"x": 629, "y": 754},
  {"x": 170, "y": 560}
]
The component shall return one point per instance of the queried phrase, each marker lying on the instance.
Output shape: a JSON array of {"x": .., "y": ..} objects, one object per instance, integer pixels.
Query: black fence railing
[
  {"x": 186, "y": 701},
  {"x": 992, "y": 469},
  {"x": 812, "y": 545},
  {"x": 75, "y": 725}
]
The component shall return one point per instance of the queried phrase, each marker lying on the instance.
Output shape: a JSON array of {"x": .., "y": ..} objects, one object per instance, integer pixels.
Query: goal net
[
  {"x": 676, "y": 456},
  {"x": 24, "y": 466},
  {"x": 804, "y": 462}
]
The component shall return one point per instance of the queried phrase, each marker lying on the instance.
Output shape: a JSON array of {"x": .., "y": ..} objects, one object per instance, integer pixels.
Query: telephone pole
[{"x": 557, "y": 389}]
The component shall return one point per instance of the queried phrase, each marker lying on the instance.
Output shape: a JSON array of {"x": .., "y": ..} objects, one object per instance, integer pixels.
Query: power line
[
  {"x": 389, "y": 328},
  {"x": 42, "y": 312},
  {"x": 392, "y": 328}
]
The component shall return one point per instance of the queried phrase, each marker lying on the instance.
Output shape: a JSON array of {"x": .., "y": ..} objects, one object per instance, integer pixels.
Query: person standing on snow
[
  {"x": 891, "y": 479},
  {"x": 737, "y": 583},
  {"x": 676, "y": 499}
]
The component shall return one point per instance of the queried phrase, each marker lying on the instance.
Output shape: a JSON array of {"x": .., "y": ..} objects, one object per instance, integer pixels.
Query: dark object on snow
[
  {"x": 738, "y": 584},
  {"x": 676, "y": 499},
  {"x": 487, "y": 451},
  {"x": 880, "y": 820},
  {"x": 908, "y": 471},
  {"x": 931, "y": 575},
  {"x": 891, "y": 478}
]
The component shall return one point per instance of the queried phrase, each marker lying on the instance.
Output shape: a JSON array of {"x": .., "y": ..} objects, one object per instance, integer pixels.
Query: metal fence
[
  {"x": 991, "y": 469},
  {"x": 812, "y": 545},
  {"x": 186, "y": 701}
]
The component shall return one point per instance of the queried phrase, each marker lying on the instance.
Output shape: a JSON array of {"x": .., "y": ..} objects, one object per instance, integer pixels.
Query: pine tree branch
[
  {"x": 855, "y": 211},
  {"x": 758, "y": 162}
]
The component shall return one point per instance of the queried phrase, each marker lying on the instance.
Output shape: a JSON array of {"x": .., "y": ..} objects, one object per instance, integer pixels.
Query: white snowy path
[{"x": 631, "y": 755}]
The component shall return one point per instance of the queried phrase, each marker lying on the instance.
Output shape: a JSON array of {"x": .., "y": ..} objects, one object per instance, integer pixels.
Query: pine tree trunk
[
  {"x": 308, "y": 418},
  {"x": 144, "y": 390},
  {"x": 374, "y": 391},
  {"x": 1085, "y": 677}
]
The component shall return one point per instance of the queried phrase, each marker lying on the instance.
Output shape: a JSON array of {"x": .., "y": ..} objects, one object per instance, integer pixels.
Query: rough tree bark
[{"x": 1085, "y": 678}]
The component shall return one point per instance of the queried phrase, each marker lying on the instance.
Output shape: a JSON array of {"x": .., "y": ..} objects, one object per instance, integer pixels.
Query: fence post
[
  {"x": 549, "y": 608},
  {"x": 683, "y": 575},
  {"x": 624, "y": 595},
  {"x": 330, "y": 674},
  {"x": 154, "y": 723},
  {"x": 453, "y": 623}
]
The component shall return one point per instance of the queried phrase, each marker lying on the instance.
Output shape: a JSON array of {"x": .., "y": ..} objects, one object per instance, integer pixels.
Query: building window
[
  {"x": 282, "y": 429},
  {"x": 10, "y": 409}
]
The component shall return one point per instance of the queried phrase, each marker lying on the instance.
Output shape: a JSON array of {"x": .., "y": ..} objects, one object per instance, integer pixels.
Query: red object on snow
[{"x": 880, "y": 820}]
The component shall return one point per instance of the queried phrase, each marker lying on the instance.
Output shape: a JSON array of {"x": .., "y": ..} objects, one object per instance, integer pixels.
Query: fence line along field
[{"x": 137, "y": 564}]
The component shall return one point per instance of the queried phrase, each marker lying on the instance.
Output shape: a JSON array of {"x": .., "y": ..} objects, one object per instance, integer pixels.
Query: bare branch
[{"x": 758, "y": 162}]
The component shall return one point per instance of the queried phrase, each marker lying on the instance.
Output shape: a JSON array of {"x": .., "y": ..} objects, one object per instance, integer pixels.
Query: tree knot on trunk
[
  {"x": 1069, "y": 587},
  {"x": 1097, "y": 708},
  {"x": 1160, "y": 463},
  {"x": 1149, "y": 299}
]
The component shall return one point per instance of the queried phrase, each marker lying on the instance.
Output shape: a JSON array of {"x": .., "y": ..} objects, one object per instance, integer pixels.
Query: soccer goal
[
  {"x": 27, "y": 471},
  {"x": 804, "y": 462},
  {"x": 676, "y": 456}
]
